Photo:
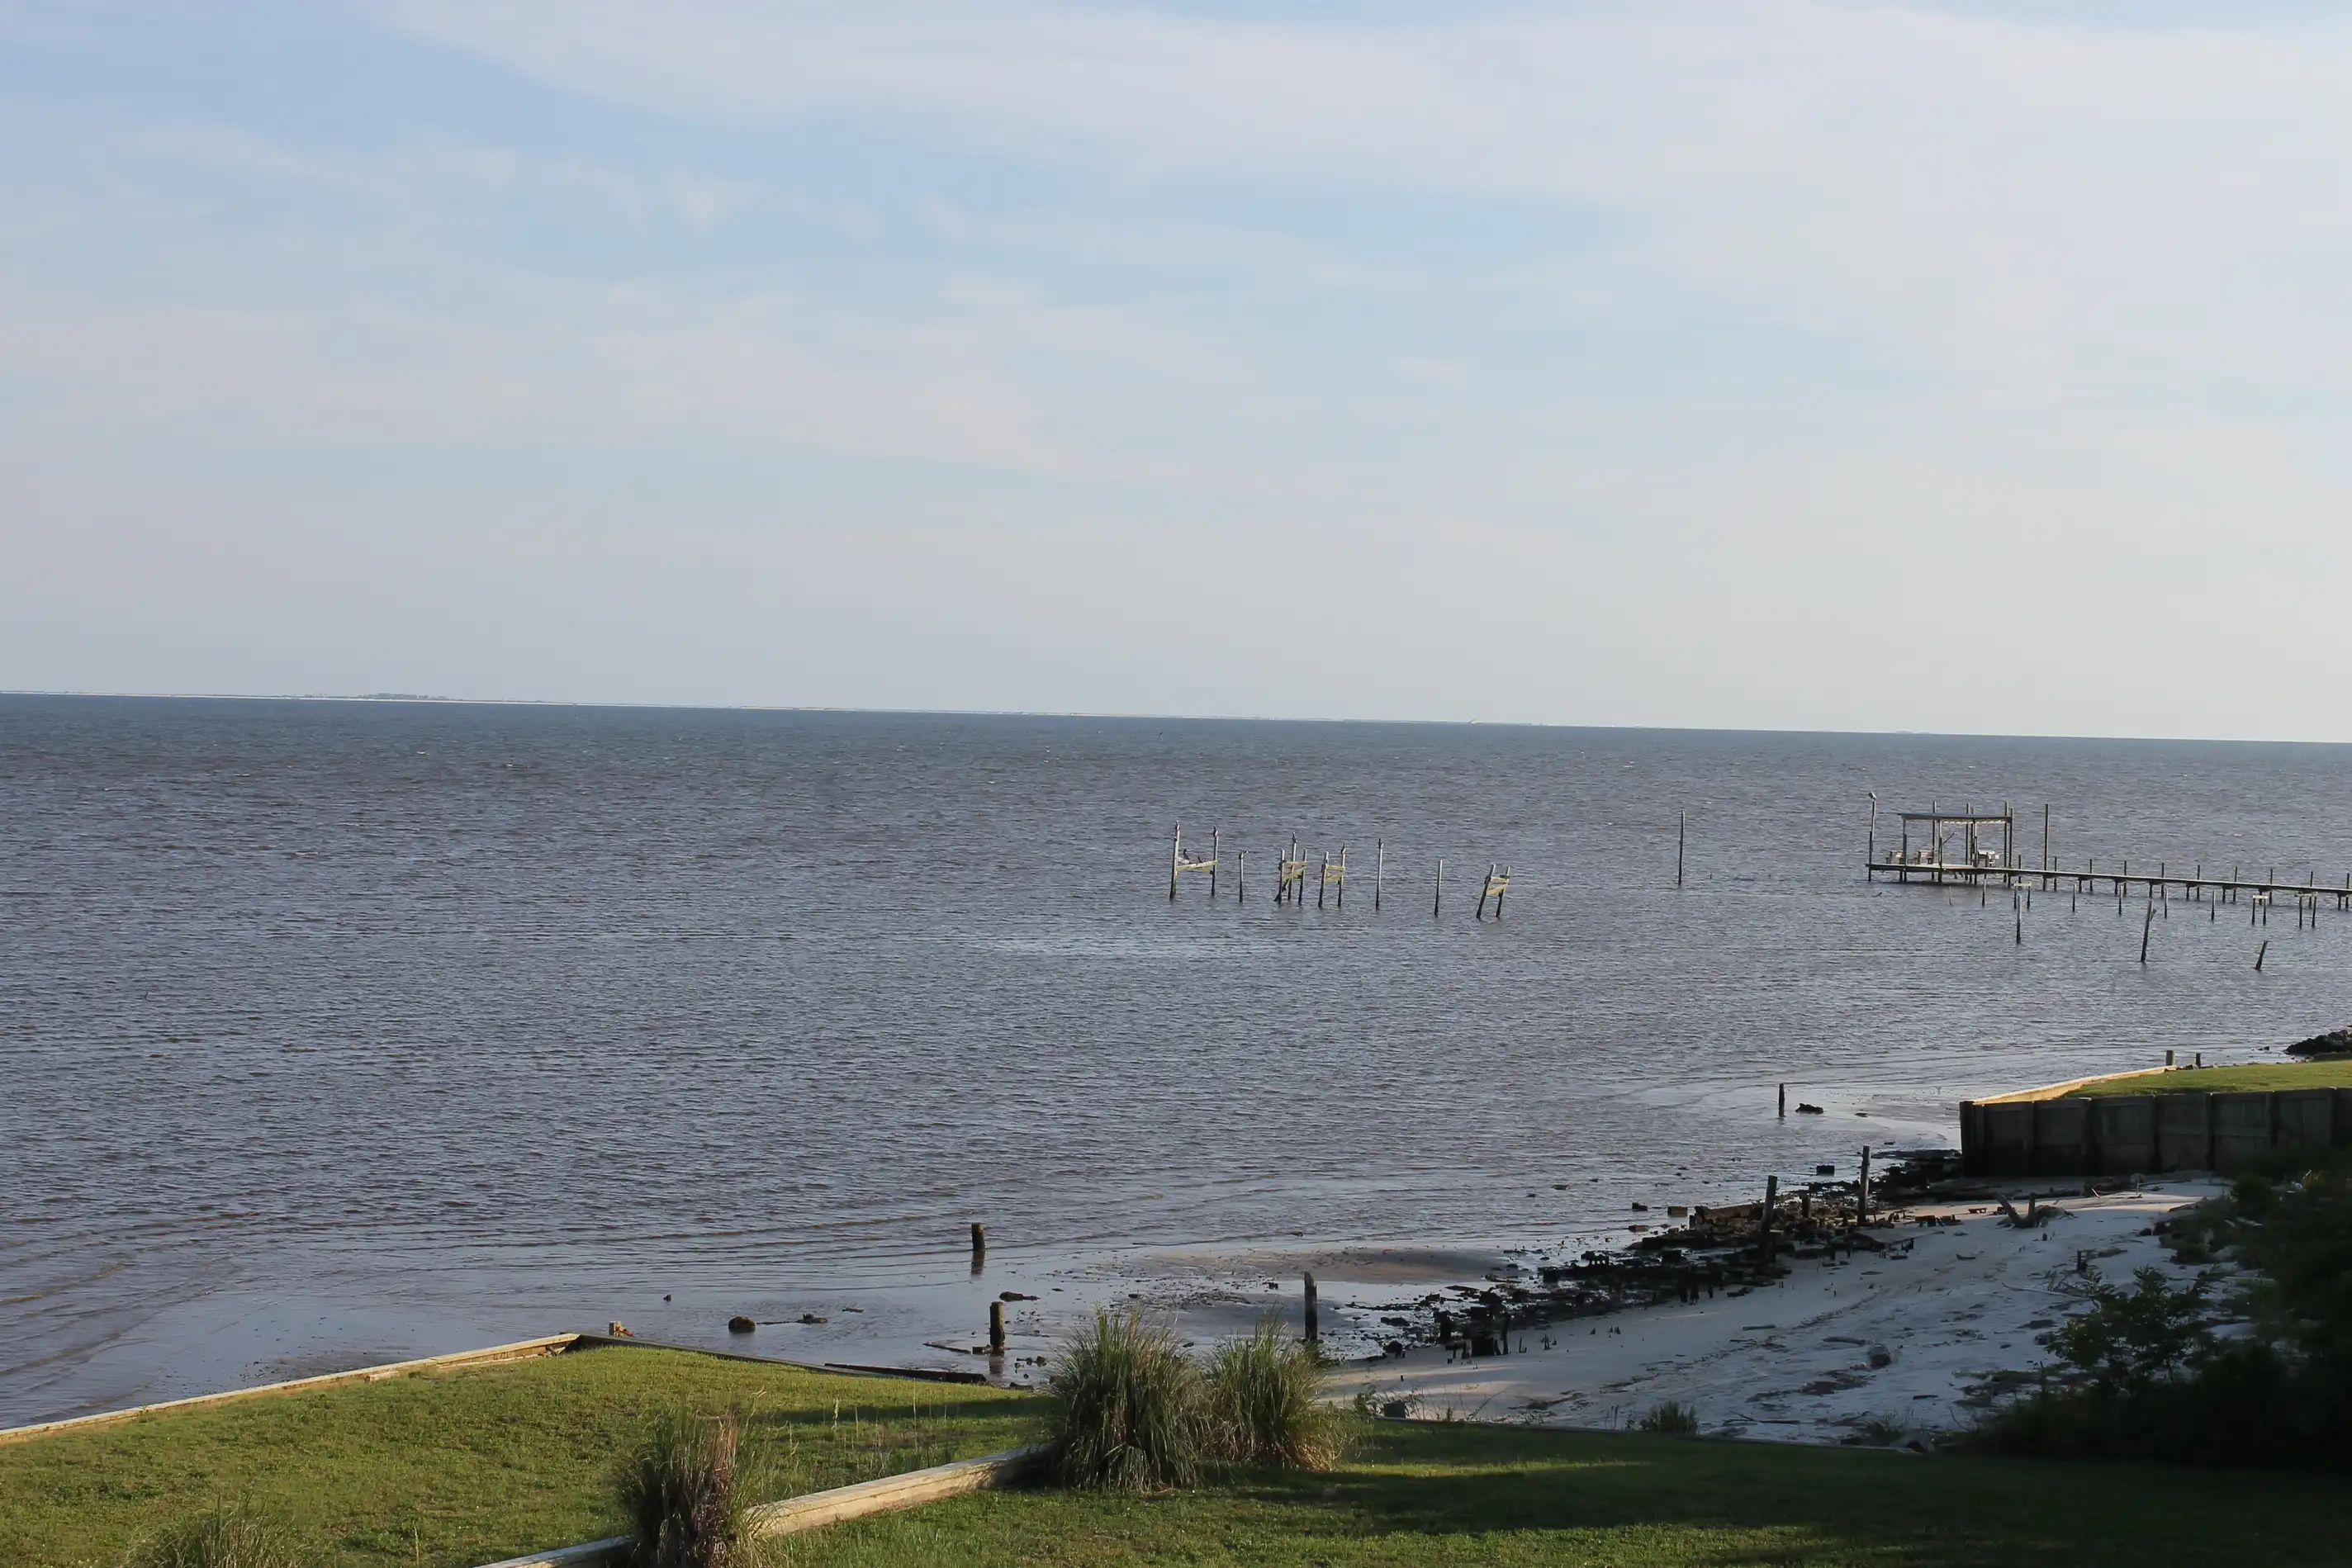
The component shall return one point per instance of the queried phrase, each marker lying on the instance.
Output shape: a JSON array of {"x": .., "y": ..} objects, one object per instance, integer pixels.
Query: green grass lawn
[
  {"x": 450, "y": 1468},
  {"x": 2218, "y": 1080},
  {"x": 1425, "y": 1493}
]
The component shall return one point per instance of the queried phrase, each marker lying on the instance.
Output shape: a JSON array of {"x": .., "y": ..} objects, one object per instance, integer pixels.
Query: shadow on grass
[{"x": 1735, "y": 1504}]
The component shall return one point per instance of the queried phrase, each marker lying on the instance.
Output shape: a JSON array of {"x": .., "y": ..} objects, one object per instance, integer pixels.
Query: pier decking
[
  {"x": 2006, "y": 866},
  {"x": 2089, "y": 879}
]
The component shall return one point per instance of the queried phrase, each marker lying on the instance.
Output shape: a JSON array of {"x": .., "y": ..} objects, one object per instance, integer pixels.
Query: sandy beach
[{"x": 1884, "y": 1347}]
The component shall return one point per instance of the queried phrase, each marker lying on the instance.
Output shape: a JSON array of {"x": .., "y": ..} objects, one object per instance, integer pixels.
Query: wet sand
[{"x": 1794, "y": 1361}]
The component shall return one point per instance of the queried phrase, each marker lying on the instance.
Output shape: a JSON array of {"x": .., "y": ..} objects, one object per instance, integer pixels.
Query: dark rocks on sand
[
  {"x": 2335, "y": 1042},
  {"x": 741, "y": 1325}
]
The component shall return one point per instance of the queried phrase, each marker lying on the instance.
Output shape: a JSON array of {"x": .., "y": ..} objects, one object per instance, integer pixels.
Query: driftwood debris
[
  {"x": 1732, "y": 1248},
  {"x": 2031, "y": 1218}
]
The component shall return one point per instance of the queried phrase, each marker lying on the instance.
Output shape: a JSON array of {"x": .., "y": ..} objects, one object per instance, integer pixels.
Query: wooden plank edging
[
  {"x": 520, "y": 1350},
  {"x": 2059, "y": 1090},
  {"x": 588, "y": 1554},
  {"x": 795, "y": 1514},
  {"x": 490, "y": 1355}
]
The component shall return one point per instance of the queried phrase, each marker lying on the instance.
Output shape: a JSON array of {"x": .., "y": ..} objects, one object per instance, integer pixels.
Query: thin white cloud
[
  {"x": 592, "y": 368},
  {"x": 2001, "y": 197}
]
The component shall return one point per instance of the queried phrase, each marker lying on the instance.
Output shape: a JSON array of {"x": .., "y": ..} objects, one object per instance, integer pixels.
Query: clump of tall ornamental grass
[
  {"x": 1124, "y": 1411},
  {"x": 223, "y": 1538},
  {"x": 1265, "y": 1403},
  {"x": 683, "y": 1493},
  {"x": 1128, "y": 1411},
  {"x": 1671, "y": 1419}
]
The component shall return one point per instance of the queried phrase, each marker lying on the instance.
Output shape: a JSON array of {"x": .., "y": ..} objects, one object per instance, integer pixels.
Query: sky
[{"x": 1774, "y": 365}]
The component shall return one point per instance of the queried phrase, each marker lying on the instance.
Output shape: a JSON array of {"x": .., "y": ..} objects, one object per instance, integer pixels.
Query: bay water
[{"x": 333, "y": 1032}]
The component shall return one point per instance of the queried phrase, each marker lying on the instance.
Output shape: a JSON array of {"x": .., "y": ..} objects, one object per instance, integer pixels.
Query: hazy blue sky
[{"x": 1932, "y": 366}]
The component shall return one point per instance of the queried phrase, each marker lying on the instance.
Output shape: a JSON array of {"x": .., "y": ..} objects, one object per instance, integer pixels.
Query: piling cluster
[{"x": 1329, "y": 873}]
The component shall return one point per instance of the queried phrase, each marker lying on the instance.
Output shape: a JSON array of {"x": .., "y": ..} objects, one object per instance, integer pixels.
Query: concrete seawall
[{"x": 2124, "y": 1134}]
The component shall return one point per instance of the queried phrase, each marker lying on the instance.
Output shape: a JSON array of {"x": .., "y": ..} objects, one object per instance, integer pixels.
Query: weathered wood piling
[
  {"x": 1498, "y": 878},
  {"x": 1328, "y": 870}
]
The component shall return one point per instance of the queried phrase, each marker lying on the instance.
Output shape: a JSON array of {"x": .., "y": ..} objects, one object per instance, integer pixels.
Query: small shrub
[
  {"x": 1124, "y": 1410},
  {"x": 223, "y": 1538},
  {"x": 1671, "y": 1419},
  {"x": 682, "y": 1495},
  {"x": 2130, "y": 1338},
  {"x": 1265, "y": 1403}
]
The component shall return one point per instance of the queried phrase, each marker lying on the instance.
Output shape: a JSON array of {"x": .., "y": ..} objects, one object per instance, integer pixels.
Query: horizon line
[{"x": 424, "y": 699}]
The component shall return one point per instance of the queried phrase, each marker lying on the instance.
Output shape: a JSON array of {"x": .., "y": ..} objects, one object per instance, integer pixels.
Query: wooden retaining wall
[
  {"x": 795, "y": 1514},
  {"x": 520, "y": 1350},
  {"x": 2126, "y": 1134}
]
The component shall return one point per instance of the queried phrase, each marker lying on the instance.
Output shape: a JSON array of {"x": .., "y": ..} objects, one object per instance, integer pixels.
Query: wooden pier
[{"x": 2004, "y": 866}]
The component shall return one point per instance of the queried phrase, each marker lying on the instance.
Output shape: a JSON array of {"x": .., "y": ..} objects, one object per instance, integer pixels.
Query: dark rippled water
[{"x": 331, "y": 1031}]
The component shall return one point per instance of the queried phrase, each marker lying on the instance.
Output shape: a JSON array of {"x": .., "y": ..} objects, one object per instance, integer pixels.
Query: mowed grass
[
  {"x": 460, "y": 1467},
  {"x": 1425, "y": 1493},
  {"x": 444, "y": 1470},
  {"x": 2256, "y": 1075}
]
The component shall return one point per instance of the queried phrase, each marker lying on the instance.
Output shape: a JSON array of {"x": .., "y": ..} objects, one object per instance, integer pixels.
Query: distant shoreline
[{"x": 423, "y": 699}]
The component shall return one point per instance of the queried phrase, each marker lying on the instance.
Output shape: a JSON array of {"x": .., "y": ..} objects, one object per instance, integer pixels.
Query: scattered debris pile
[
  {"x": 1726, "y": 1248},
  {"x": 1912, "y": 1174}
]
